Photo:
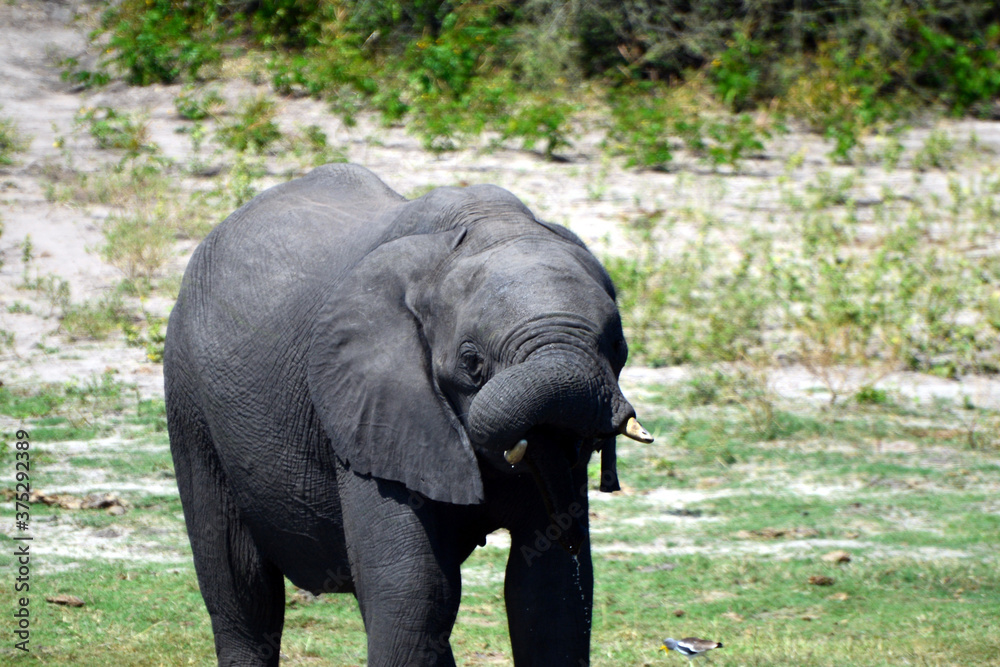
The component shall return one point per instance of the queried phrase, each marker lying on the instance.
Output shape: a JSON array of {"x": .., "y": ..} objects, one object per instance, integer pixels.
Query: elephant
[{"x": 361, "y": 387}]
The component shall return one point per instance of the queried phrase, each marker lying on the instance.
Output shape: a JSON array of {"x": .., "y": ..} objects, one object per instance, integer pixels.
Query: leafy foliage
[
  {"x": 844, "y": 93},
  {"x": 641, "y": 125},
  {"x": 453, "y": 69},
  {"x": 966, "y": 71},
  {"x": 253, "y": 128},
  {"x": 114, "y": 129},
  {"x": 151, "y": 337},
  {"x": 738, "y": 71},
  {"x": 199, "y": 103},
  {"x": 160, "y": 41},
  {"x": 646, "y": 124}
]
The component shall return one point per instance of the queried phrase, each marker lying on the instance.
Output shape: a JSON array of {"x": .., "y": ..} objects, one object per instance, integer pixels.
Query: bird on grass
[{"x": 690, "y": 647}]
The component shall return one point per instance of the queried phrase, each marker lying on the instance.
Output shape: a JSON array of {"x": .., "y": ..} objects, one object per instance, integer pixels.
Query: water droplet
[{"x": 576, "y": 578}]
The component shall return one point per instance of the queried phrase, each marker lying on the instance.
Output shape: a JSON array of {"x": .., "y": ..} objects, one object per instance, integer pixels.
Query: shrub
[
  {"x": 12, "y": 141},
  {"x": 738, "y": 71},
  {"x": 966, "y": 71},
  {"x": 151, "y": 337},
  {"x": 454, "y": 68},
  {"x": 159, "y": 41},
  {"x": 253, "y": 127},
  {"x": 239, "y": 186},
  {"x": 137, "y": 244},
  {"x": 467, "y": 45},
  {"x": 113, "y": 129},
  {"x": 94, "y": 320},
  {"x": 199, "y": 103},
  {"x": 539, "y": 120},
  {"x": 843, "y": 94},
  {"x": 641, "y": 124},
  {"x": 723, "y": 139},
  {"x": 644, "y": 120}
]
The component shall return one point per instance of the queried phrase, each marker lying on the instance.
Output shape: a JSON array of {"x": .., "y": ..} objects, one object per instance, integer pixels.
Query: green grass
[{"x": 717, "y": 533}]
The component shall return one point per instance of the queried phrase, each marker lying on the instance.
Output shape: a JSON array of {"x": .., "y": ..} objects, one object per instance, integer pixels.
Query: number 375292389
[{"x": 22, "y": 478}]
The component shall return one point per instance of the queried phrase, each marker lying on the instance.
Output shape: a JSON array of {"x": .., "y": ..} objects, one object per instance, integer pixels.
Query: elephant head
[{"x": 476, "y": 335}]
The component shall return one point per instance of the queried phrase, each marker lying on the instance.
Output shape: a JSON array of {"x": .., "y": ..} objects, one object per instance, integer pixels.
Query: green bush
[
  {"x": 641, "y": 125},
  {"x": 451, "y": 69},
  {"x": 113, "y": 129},
  {"x": 253, "y": 127},
  {"x": 151, "y": 337},
  {"x": 644, "y": 121},
  {"x": 160, "y": 41},
  {"x": 738, "y": 71},
  {"x": 199, "y": 103},
  {"x": 96, "y": 319},
  {"x": 539, "y": 119},
  {"x": 844, "y": 93},
  {"x": 12, "y": 141},
  {"x": 138, "y": 244},
  {"x": 468, "y": 44},
  {"x": 966, "y": 72},
  {"x": 723, "y": 139}
]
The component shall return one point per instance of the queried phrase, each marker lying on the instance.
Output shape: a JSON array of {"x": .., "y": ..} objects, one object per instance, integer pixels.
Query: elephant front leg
[
  {"x": 549, "y": 596},
  {"x": 406, "y": 572}
]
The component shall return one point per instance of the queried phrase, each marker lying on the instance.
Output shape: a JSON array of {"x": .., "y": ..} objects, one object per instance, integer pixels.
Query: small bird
[{"x": 690, "y": 647}]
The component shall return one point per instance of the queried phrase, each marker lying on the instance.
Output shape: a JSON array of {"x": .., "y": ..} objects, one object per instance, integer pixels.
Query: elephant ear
[{"x": 371, "y": 381}]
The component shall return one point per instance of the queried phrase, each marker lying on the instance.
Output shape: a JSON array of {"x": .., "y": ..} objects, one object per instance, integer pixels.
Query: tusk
[
  {"x": 516, "y": 453},
  {"x": 634, "y": 430}
]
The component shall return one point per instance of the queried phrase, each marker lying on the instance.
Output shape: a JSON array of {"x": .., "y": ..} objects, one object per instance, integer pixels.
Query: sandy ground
[{"x": 589, "y": 192}]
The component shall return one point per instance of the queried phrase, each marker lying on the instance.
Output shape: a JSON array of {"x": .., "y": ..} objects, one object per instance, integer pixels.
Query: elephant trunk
[
  {"x": 553, "y": 389},
  {"x": 560, "y": 399}
]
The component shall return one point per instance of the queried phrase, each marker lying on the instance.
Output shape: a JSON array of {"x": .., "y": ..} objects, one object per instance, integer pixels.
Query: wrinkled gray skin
[{"x": 344, "y": 370}]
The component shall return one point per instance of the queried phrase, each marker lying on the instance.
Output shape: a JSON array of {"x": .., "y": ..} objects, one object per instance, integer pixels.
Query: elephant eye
[{"x": 472, "y": 363}]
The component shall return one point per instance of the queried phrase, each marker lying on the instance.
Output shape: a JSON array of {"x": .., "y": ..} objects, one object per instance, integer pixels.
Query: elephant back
[{"x": 257, "y": 278}]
